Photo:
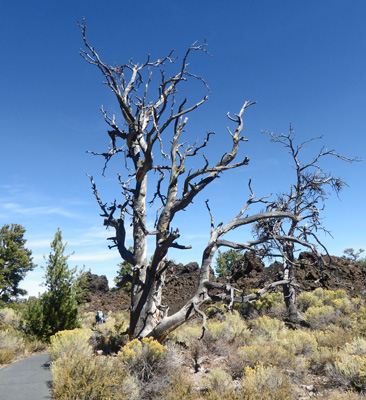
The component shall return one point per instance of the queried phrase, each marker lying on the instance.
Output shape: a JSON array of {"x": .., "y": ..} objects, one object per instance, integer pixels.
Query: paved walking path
[{"x": 28, "y": 379}]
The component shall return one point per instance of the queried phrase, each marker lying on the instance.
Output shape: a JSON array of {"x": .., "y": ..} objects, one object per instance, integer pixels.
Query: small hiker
[{"x": 99, "y": 317}]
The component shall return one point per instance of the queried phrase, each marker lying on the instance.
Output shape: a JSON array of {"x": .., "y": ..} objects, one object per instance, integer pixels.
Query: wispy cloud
[
  {"x": 95, "y": 256},
  {"x": 17, "y": 208},
  {"x": 41, "y": 243}
]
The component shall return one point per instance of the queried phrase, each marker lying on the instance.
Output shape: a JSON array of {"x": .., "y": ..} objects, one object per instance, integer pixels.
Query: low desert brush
[
  {"x": 356, "y": 347},
  {"x": 333, "y": 337},
  {"x": 306, "y": 300},
  {"x": 85, "y": 377},
  {"x": 11, "y": 317},
  {"x": 321, "y": 317},
  {"x": 268, "y": 301},
  {"x": 300, "y": 342},
  {"x": 218, "y": 381},
  {"x": 268, "y": 328},
  {"x": 143, "y": 357},
  {"x": 268, "y": 354},
  {"x": 68, "y": 343},
  {"x": 321, "y": 358},
  {"x": 265, "y": 383},
  {"x": 231, "y": 329},
  {"x": 342, "y": 395},
  {"x": 11, "y": 345},
  {"x": 348, "y": 370}
]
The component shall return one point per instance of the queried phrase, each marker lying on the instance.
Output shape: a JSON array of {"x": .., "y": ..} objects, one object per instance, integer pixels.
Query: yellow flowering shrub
[
  {"x": 321, "y": 317},
  {"x": 356, "y": 347},
  {"x": 320, "y": 293},
  {"x": 231, "y": 328},
  {"x": 85, "y": 377},
  {"x": 270, "y": 328},
  {"x": 269, "y": 354},
  {"x": 322, "y": 357},
  {"x": 69, "y": 343},
  {"x": 268, "y": 300},
  {"x": 348, "y": 370},
  {"x": 137, "y": 347},
  {"x": 143, "y": 358},
  {"x": 306, "y": 300},
  {"x": 300, "y": 342},
  {"x": 265, "y": 383},
  {"x": 333, "y": 337},
  {"x": 343, "y": 304},
  {"x": 187, "y": 333},
  {"x": 331, "y": 295}
]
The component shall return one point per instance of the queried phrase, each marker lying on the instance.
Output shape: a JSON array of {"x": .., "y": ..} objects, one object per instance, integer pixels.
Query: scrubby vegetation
[
  {"x": 14, "y": 344},
  {"x": 239, "y": 357}
]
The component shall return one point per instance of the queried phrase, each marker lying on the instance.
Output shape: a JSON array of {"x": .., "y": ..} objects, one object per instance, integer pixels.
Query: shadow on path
[{"x": 28, "y": 379}]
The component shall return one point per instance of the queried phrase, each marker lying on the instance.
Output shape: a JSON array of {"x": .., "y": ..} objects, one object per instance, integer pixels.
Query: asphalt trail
[{"x": 28, "y": 379}]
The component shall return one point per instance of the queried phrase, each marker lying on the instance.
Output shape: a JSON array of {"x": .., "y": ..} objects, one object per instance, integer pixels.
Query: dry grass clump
[
  {"x": 10, "y": 317},
  {"x": 35, "y": 346},
  {"x": 11, "y": 345}
]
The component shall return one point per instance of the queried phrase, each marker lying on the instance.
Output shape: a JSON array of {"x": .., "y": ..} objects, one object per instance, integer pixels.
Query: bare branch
[{"x": 203, "y": 315}]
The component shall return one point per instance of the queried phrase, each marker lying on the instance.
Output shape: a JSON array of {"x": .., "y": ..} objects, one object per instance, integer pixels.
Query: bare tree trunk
[
  {"x": 294, "y": 317},
  {"x": 151, "y": 119},
  {"x": 289, "y": 292}
]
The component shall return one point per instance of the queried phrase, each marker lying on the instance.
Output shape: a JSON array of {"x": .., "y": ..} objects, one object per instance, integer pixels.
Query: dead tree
[
  {"x": 305, "y": 199},
  {"x": 149, "y": 122}
]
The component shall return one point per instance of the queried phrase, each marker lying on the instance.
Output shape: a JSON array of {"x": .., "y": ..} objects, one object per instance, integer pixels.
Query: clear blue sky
[{"x": 304, "y": 63}]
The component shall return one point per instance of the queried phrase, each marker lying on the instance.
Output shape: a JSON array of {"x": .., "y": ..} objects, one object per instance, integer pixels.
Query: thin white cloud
[
  {"x": 96, "y": 235},
  {"x": 18, "y": 209},
  {"x": 96, "y": 256},
  {"x": 31, "y": 244}
]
